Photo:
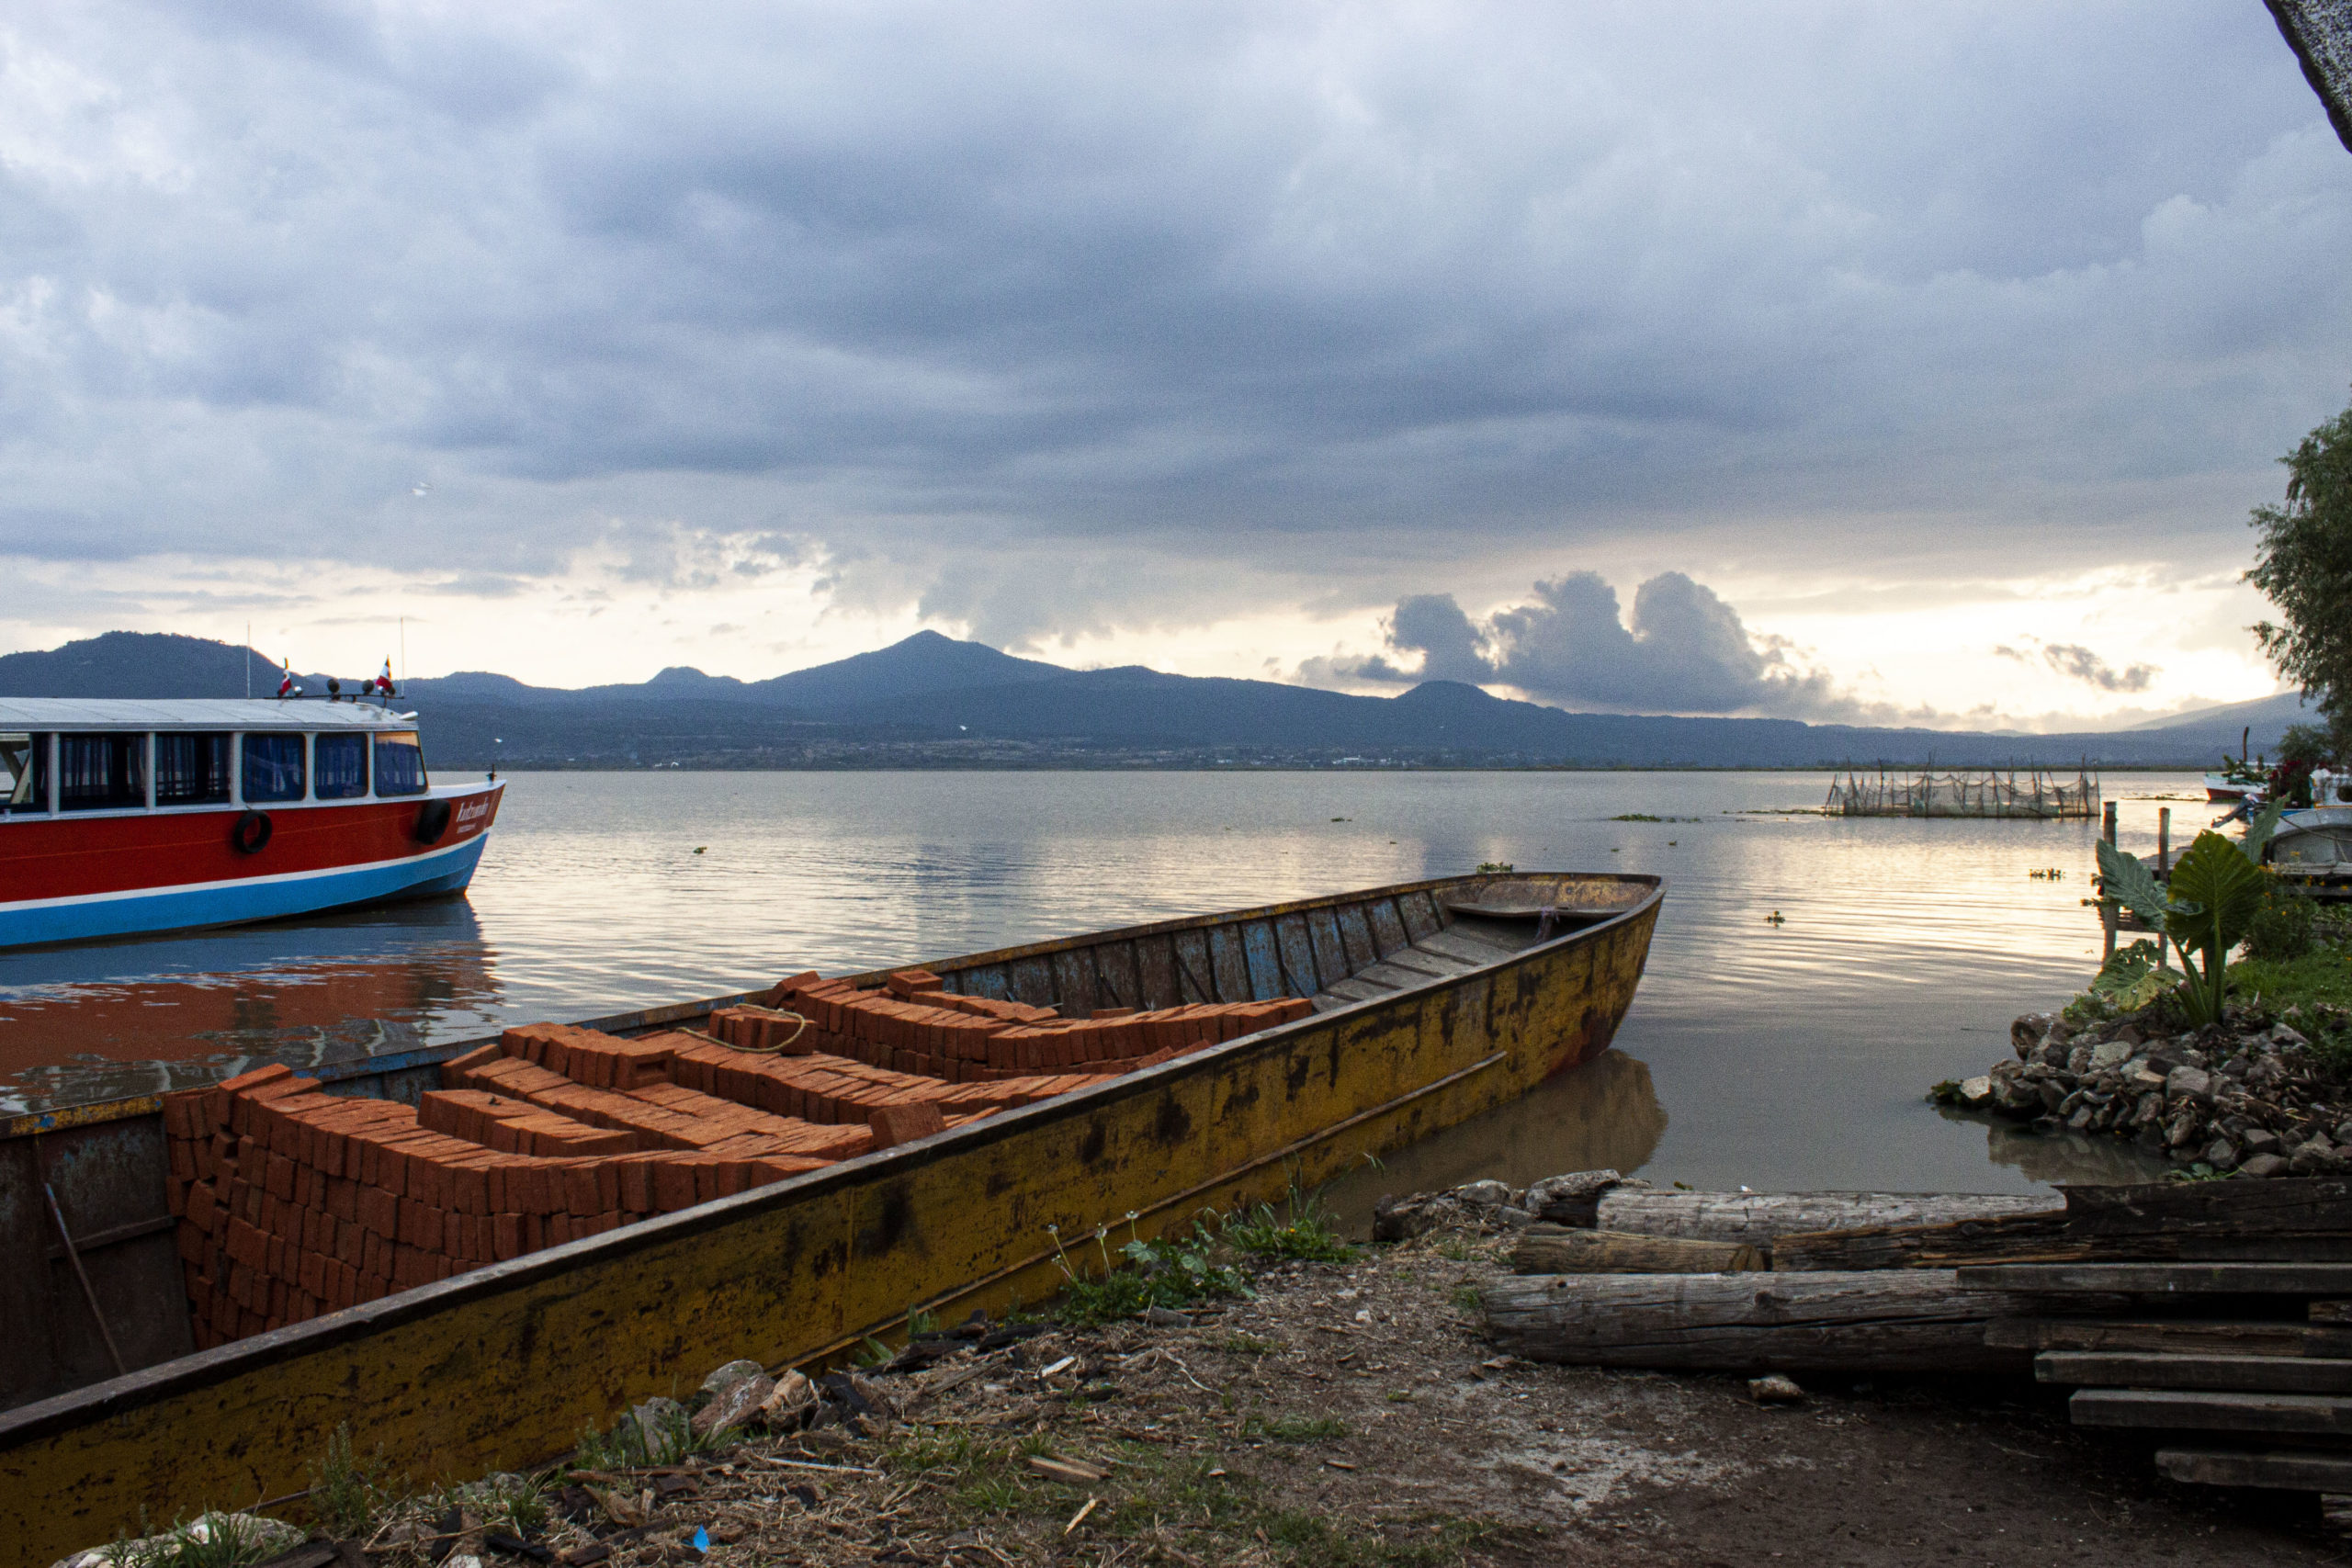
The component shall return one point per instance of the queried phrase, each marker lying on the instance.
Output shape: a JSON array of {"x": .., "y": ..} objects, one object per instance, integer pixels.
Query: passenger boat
[
  {"x": 128, "y": 818},
  {"x": 1403, "y": 1010}
]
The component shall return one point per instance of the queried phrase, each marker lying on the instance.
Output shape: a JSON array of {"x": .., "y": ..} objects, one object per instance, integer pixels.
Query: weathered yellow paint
[
  {"x": 503, "y": 1366},
  {"x": 33, "y": 1122}
]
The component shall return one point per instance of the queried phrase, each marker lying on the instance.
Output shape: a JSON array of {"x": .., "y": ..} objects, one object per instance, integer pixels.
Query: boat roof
[{"x": 194, "y": 713}]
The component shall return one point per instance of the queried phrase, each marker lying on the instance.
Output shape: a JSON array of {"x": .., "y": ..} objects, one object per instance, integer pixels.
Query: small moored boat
[
  {"x": 1281, "y": 1045},
  {"x": 126, "y": 818}
]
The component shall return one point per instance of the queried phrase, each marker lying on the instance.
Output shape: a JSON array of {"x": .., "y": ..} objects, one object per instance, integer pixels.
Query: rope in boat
[{"x": 775, "y": 1050}]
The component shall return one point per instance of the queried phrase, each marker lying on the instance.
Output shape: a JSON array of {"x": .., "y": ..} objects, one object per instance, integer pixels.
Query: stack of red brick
[
  {"x": 294, "y": 1202},
  {"x": 914, "y": 1025}
]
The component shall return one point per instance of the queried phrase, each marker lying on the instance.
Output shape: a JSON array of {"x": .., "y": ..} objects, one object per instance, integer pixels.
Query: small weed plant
[
  {"x": 346, "y": 1492},
  {"x": 211, "y": 1540},
  {"x": 629, "y": 1446},
  {"x": 1170, "y": 1272},
  {"x": 1303, "y": 1231},
  {"x": 1295, "y": 1428}
]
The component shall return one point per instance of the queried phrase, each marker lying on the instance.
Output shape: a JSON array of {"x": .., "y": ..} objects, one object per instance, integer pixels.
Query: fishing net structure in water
[{"x": 1990, "y": 793}]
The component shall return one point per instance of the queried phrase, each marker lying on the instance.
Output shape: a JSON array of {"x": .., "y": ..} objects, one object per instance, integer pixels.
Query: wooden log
[
  {"x": 2286, "y": 1469},
  {"x": 2170, "y": 1336},
  {"x": 2041, "y": 1238},
  {"x": 1556, "y": 1249},
  {"x": 2281, "y": 1204},
  {"x": 2163, "y": 1278},
  {"x": 1757, "y": 1218},
  {"x": 2005, "y": 1238},
  {"x": 2306, "y": 1415},
  {"x": 1908, "y": 1320},
  {"x": 2330, "y": 1312},
  {"x": 2127, "y": 1369}
]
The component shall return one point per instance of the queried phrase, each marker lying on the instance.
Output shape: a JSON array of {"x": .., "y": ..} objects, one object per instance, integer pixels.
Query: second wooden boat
[{"x": 1433, "y": 1002}]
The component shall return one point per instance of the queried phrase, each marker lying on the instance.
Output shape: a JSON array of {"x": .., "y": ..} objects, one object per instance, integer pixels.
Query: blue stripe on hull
[{"x": 240, "y": 903}]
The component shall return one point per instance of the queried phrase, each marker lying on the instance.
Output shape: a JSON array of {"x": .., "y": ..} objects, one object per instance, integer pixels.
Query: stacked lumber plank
[
  {"x": 2215, "y": 1308},
  {"x": 2240, "y": 1348}
]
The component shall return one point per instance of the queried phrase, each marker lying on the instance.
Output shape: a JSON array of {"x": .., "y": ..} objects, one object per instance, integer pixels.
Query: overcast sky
[{"x": 1825, "y": 360}]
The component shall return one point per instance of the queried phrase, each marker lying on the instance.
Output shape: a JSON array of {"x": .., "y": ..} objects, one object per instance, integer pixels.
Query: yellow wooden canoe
[{"x": 1435, "y": 1000}]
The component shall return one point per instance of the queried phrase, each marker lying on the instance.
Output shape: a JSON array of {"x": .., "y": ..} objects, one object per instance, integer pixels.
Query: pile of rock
[{"x": 2248, "y": 1094}]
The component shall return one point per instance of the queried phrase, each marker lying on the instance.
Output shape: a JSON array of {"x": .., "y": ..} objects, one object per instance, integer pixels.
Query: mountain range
[{"x": 930, "y": 701}]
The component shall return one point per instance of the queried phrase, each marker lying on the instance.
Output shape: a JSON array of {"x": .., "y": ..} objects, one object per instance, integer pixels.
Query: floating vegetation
[{"x": 2047, "y": 873}]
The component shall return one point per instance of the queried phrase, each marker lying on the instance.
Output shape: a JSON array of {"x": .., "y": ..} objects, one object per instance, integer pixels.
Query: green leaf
[
  {"x": 2258, "y": 831},
  {"x": 2226, "y": 888},
  {"x": 2131, "y": 884}
]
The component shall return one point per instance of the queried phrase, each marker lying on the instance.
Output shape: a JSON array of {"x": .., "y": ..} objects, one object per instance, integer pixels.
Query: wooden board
[
  {"x": 2165, "y": 1278},
  {"x": 2131, "y": 1369},
  {"x": 2039, "y": 1237},
  {"x": 1908, "y": 1320},
  {"x": 2170, "y": 1336},
  {"x": 1559, "y": 1249},
  {"x": 2043, "y": 1238},
  {"x": 2316, "y": 1415},
  {"x": 2286, "y": 1204},
  {"x": 1758, "y": 1218},
  {"x": 2286, "y": 1469}
]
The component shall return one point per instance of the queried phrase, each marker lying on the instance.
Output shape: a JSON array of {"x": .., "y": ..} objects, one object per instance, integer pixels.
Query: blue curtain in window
[
  {"x": 399, "y": 765},
  {"x": 272, "y": 767},
  {"x": 98, "y": 773},
  {"x": 342, "y": 762},
  {"x": 191, "y": 770}
]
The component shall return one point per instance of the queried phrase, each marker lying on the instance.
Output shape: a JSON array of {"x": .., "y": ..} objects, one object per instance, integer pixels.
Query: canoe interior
[{"x": 1424, "y": 1016}]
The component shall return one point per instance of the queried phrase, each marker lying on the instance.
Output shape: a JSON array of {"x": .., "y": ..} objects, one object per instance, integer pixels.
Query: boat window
[
  {"x": 24, "y": 772},
  {"x": 341, "y": 762},
  {"x": 99, "y": 773},
  {"x": 192, "y": 770},
  {"x": 400, "y": 764},
  {"x": 272, "y": 767}
]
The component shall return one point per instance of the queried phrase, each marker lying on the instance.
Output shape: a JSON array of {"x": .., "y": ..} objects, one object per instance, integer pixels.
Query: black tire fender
[
  {"x": 251, "y": 834},
  {"x": 432, "y": 821}
]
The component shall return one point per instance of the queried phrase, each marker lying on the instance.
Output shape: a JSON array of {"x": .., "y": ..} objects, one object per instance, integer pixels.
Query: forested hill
[{"x": 930, "y": 701}]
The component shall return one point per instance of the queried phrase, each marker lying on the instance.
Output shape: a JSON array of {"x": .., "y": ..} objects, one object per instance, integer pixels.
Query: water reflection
[
  {"x": 2065, "y": 1155},
  {"x": 141, "y": 1018},
  {"x": 1793, "y": 1055},
  {"x": 1603, "y": 1114}
]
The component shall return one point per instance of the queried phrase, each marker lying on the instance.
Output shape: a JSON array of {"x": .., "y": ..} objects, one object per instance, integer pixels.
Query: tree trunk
[
  {"x": 1754, "y": 1218},
  {"x": 1551, "y": 1249},
  {"x": 1907, "y": 1320}
]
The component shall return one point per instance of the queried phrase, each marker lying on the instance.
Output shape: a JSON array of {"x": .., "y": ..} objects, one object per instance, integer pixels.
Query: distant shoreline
[{"x": 1068, "y": 767}]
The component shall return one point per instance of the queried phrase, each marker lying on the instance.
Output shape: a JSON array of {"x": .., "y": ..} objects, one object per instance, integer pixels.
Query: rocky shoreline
[{"x": 2250, "y": 1095}]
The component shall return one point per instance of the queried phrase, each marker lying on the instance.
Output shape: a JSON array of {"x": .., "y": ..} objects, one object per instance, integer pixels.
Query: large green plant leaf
[
  {"x": 2258, "y": 831},
  {"x": 2215, "y": 875},
  {"x": 2131, "y": 884}
]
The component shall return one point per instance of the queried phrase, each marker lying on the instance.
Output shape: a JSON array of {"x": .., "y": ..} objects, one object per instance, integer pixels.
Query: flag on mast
[
  {"x": 384, "y": 682},
  {"x": 287, "y": 688}
]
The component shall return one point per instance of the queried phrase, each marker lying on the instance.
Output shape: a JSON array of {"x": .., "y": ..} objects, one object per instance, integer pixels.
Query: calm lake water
[{"x": 1777, "y": 1055}]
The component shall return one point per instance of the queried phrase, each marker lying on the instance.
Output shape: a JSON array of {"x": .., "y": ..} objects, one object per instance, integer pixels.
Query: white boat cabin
[{"x": 62, "y": 756}]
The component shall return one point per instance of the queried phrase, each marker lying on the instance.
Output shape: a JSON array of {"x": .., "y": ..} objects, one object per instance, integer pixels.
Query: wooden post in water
[
  {"x": 2164, "y": 862},
  {"x": 2107, "y": 903}
]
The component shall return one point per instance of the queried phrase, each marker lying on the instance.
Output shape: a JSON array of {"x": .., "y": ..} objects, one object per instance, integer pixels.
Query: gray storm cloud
[
  {"x": 1015, "y": 303},
  {"x": 2076, "y": 663},
  {"x": 1684, "y": 651}
]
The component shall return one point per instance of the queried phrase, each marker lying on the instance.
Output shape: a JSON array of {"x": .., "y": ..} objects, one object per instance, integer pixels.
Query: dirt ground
[{"x": 1352, "y": 1414}]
